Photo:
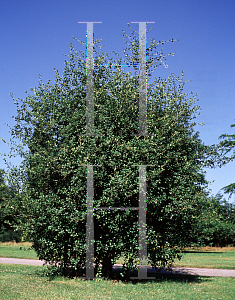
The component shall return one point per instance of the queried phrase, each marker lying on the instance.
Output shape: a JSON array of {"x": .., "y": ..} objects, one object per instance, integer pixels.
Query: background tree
[
  {"x": 216, "y": 222},
  {"x": 52, "y": 125},
  {"x": 227, "y": 145},
  {"x": 8, "y": 212}
]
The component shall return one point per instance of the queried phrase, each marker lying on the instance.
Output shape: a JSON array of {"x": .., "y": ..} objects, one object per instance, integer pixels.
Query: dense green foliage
[
  {"x": 8, "y": 213},
  {"x": 52, "y": 125},
  {"x": 216, "y": 225}
]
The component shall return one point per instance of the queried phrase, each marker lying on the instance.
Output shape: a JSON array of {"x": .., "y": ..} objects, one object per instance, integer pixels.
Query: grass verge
[
  {"x": 208, "y": 257},
  {"x": 17, "y": 250},
  {"x": 27, "y": 282}
]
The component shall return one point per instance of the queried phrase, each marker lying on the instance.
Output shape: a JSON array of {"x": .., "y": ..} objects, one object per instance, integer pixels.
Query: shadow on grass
[
  {"x": 159, "y": 277},
  {"x": 127, "y": 277}
]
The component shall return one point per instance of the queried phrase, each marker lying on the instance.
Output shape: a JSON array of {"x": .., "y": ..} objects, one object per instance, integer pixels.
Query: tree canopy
[{"x": 51, "y": 124}]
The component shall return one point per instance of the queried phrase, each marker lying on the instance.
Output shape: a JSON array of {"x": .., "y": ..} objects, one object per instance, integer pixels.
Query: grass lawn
[
  {"x": 209, "y": 257},
  {"x": 27, "y": 282},
  {"x": 17, "y": 250}
]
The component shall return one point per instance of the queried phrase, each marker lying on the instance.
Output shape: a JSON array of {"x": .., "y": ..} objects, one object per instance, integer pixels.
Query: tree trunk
[{"x": 107, "y": 266}]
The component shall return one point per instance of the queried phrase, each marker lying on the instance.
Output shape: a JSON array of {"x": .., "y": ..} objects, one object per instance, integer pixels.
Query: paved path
[
  {"x": 176, "y": 270},
  {"x": 20, "y": 261}
]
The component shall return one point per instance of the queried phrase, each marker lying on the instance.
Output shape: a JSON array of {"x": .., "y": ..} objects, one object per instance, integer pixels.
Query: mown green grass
[
  {"x": 27, "y": 282},
  {"x": 17, "y": 250},
  {"x": 214, "y": 260}
]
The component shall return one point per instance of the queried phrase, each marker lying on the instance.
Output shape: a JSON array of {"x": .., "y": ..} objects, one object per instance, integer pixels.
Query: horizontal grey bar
[
  {"x": 116, "y": 65},
  {"x": 90, "y": 22},
  {"x": 117, "y": 208},
  {"x": 142, "y": 22}
]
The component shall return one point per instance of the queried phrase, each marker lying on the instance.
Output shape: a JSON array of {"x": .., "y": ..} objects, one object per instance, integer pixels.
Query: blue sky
[{"x": 35, "y": 34}]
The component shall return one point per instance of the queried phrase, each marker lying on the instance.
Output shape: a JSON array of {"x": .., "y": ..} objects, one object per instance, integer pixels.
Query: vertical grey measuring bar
[
  {"x": 89, "y": 83},
  {"x": 142, "y": 79},
  {"x": 142, "y": 272},
  {"x": 142, "y": 222},
  {"x": 90, "y": 225}
]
